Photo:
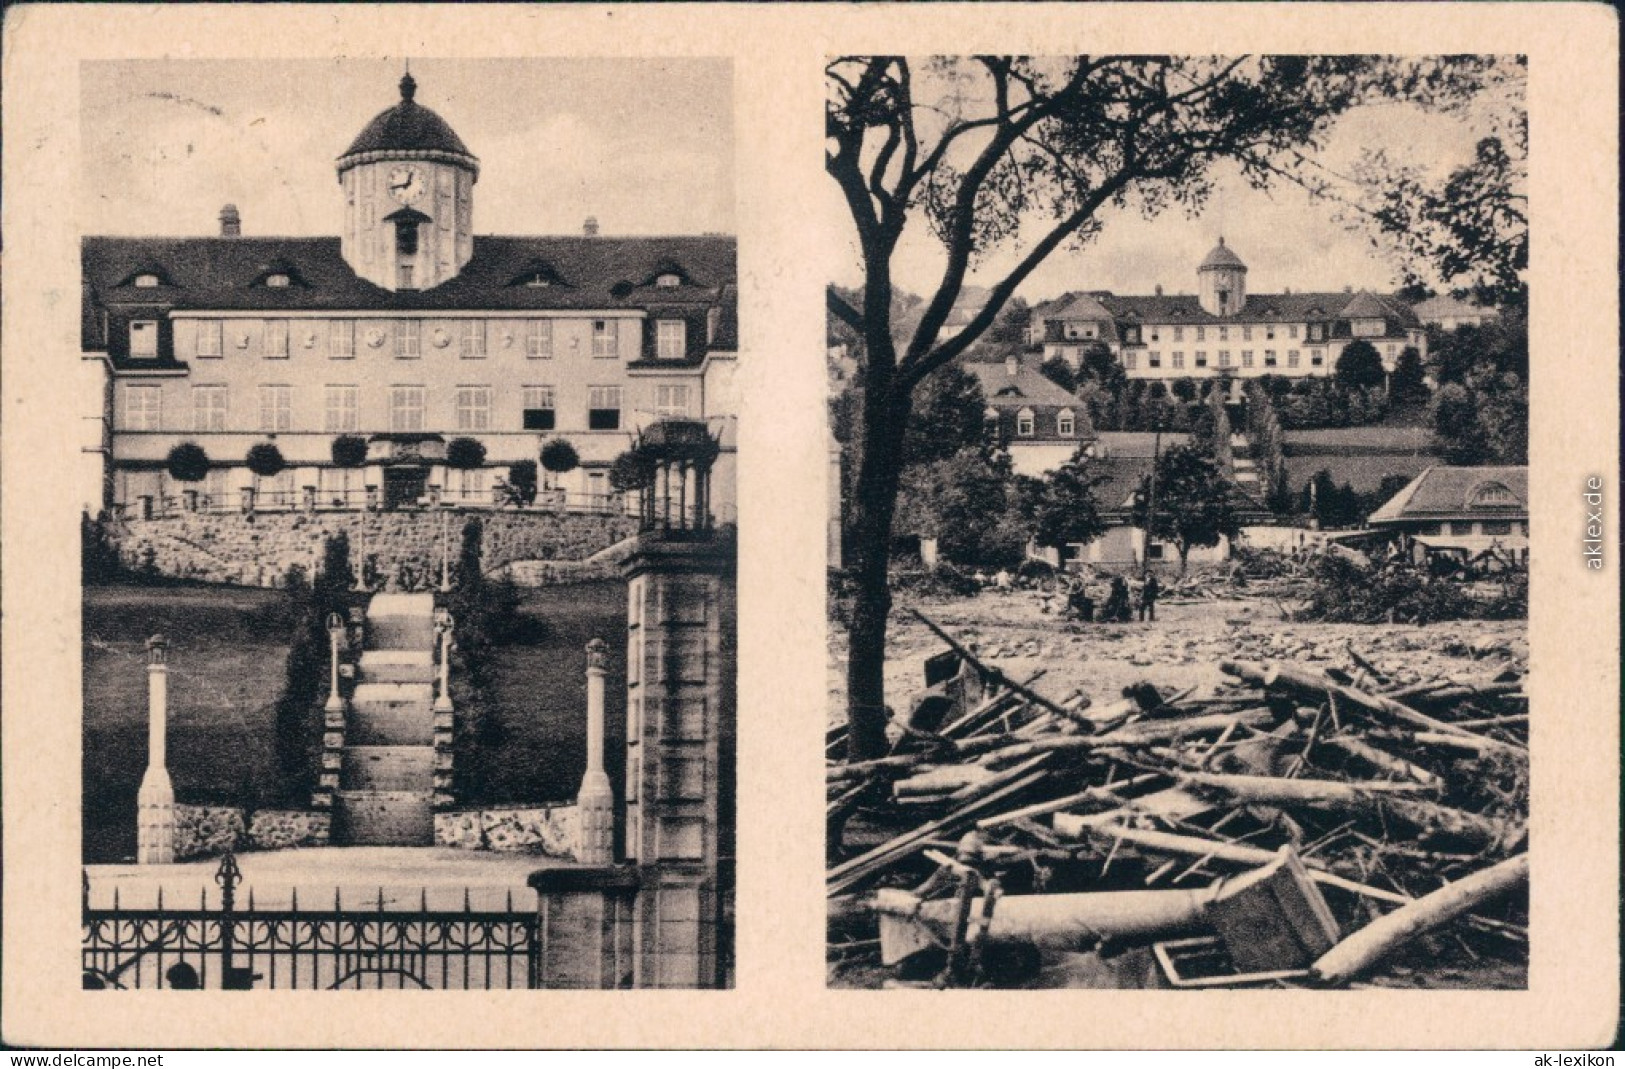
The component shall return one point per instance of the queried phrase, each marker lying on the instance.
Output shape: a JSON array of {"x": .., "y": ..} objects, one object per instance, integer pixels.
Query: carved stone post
[
  {"x": 443, "y": 623},
  {"x": 335, "y": 631},
  {"x": 155, "y": 803},
  {"x": 595, "y": 803}
]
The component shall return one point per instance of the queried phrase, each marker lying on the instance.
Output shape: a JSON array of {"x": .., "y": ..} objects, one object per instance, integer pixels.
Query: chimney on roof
[
  {"x": 1348, "y": 289},
  {"x": 1012, "y": 365},
  {"x": 231, "y": 224},
  {"x": 1159, "y": 289},
  {"x": 590, "y": 227}
]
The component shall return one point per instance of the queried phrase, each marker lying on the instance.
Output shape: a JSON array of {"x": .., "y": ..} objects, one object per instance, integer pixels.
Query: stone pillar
[
  {"x": 443, "y": 624},
  {"x": 679, "y": 799},
  {"x": 595, "y": 803},
  {"x": 335, "y": 630},
  {"x": 155, "y": 803}
]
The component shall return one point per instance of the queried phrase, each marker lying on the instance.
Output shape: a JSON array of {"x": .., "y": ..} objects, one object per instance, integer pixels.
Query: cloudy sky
[
  {"x": 1286, "y": 239},
  {"x": 644, "y": 145}
]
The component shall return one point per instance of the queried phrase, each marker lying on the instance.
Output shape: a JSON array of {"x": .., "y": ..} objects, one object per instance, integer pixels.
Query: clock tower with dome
[{"x": 408, "y": 183}]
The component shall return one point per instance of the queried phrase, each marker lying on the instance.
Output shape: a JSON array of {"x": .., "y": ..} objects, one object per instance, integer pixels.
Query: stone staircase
[
  {"x": 385, "y": 793},
  {"x": 1246, "y": 471}
]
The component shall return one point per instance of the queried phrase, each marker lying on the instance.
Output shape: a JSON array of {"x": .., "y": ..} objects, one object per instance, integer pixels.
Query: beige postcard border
[{"x": 781, "y": 999}]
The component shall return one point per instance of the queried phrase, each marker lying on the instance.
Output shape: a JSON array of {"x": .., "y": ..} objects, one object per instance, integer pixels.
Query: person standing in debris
[
  {"x": 1148, "y": 598},
  {"x": 1117, "y": 604}
]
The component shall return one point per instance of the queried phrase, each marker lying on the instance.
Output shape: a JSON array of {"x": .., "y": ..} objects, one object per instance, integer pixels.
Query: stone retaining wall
[
  {"x": 549, "y": 830},
  {"x": 209, "y": 830},
  {"x": 258, "y": 549}
]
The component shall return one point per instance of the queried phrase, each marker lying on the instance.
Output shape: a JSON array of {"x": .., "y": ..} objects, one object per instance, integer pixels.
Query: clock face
[{"x": 405, "y": 184}]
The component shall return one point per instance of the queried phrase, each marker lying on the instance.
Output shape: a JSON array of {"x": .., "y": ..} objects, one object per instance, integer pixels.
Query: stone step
[
  {"x": 383, "y": 818},
  {"x": 378, "y": 724},
  {"x": 400, "y": 633},
  {"x": 387, "y": 768},
  {"x": 397, "y": 666}
]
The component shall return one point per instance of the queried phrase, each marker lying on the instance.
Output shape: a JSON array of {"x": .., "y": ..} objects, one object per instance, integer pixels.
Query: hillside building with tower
[
  {"x": 408, "y": 330},
  {"x": 1223, "y": 330}
]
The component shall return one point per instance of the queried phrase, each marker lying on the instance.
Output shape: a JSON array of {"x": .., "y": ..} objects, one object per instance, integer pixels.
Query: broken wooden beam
[
  {"x": 1366, "y": 947},
  {"x": 999, "y": 678}
]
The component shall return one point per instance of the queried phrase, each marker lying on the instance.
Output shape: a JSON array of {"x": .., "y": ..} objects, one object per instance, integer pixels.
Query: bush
[
  {"x": 98, "y": 556},
  {"x": 465, "y": 453},
  {"x": 522, "y": 481},
  {"x": 187, "y": 463},
  {"x": 1360, "y": 365},
  {"x": 349, "y": 451},
  {"x": 265, "y": 459},
  {"x": 299, "y": 716},
  {"x": 1345, "y": 590},
  {"x": 559, "y": 456},
  {"x": 632, "y": 470}
]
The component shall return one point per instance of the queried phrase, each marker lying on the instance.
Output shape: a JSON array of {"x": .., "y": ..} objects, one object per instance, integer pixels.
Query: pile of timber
[{"x": 1296, "y": 827}]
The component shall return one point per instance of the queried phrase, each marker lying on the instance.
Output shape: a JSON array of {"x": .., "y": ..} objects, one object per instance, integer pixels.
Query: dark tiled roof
[
  {"x": 1364, "y": 472},
  {"x": 408, "y": 127},
  {"x": 220, "y": 274},
  {"x": 1023, "y": 389},
  {"x": 1260, "y": 308},
  {"x": 1222, "y": 256},
  {"x": 1443, "y": 493}
]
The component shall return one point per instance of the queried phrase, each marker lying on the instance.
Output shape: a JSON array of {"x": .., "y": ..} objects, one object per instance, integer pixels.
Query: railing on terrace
[{"x": 169, "y": 506}]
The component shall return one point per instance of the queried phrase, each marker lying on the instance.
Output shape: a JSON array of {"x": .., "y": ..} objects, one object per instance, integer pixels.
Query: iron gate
[{"x": 239, "y": 949}]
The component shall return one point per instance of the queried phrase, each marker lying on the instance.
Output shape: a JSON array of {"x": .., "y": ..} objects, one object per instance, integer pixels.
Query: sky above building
[
  {"x": 1287, "y": 239},
  {"x": 645, "y": 146}
]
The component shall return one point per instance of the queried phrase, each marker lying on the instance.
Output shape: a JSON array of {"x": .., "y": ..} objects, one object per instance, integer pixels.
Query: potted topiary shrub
[
  {"x": 188, "y": 463},
  {"x": 464, "y": 453},
  {"x": 559, "y": 457},
  {"x": 265, "y": 461},
  {"x": 521, "y": 487},
  {"x": 349, "y": 451}
]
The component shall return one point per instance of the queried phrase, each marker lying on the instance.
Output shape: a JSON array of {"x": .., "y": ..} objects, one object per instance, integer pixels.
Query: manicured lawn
[
  {"x": 539, "y": 688},
  {"x": 227, "y": 652},
  {"x": 1378, "y": 439}
]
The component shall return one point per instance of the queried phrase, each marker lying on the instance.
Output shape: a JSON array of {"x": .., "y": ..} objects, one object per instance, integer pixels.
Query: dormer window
[
  {"x": 278, "y": 281},
  {"x": 146, "y": 282},
  {"x": 144, "y": 339},
  {"x": 1065, "y": 423},
  {"x": 1024, "y": 423},
  {"x": 538, "y": 282},
  {"x": 670, "y": 280},
  {"x": 670, "y": 339},
  {"x": 537, "y": 275}
]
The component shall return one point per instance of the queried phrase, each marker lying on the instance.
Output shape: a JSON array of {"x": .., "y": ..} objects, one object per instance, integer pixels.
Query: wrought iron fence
[{"x": 233, "y": 948}]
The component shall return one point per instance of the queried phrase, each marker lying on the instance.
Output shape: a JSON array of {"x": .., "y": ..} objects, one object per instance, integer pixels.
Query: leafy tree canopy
[
  {"x": 1360, "y": 365},
  {"x": 1193, "y": 501}
]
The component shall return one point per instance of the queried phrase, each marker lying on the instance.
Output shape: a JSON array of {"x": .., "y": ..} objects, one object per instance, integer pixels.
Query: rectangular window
[
  {"x": 1246, "y": 358},
  {"x": 473, "y": 408},
  {"x": 1246, "y": 333},
  {"x": 1201, "y": 358},
  {"x": 604, "y": 408},
  {"x": 1201, "y": 334},
  {"x": 208, "y": 337},
  {"x": 143, "y": 408},
  {"x": 403, "y": 276},
  {"x": 1224, "y": 333},
  {"x": 539, "y": 339},
  {"x": 1292, "y": 330},
  {"x": 1179, "y": 334},
  {"x": 1065, "y": 425},
  {"x": 1179, "y": 359},
  {"x": 342, "y": 485},
  {"x": 1269, "y": 357},
  {"x": 1224, "y": 357},
  {"x": 606, "y": 338},
  {"x": 144, "y": 339},
  {"x": 1427, "y": 530},
  {"x": 341, "y": 339},
  {"x": 672, "y": 399},
  {"x": 1292, "y": 358},
  {"x": 208, "y": 408},
  {"x": 340, "y": 408},
  {"x": 276, "y": 408},
  {"x": 1156, "y": 333},
  {"x": 1317, "y": 357},
  {"x": 1497, "y": 527},
  {"x": 1315, "y": 332},
  {"x": 538, "y": 408},
  {"x": 670, "y": 339},
  {"x": 406, "y": 408},
  {"x": 1269, "y": 333},
  {"x": 1131, "y": 359},
  {"x": 1459, "y": 528},
  {"x": 408, "y": 339},
  {"x": 474, "y": 339},
  {"x": 276, "y": 339}
]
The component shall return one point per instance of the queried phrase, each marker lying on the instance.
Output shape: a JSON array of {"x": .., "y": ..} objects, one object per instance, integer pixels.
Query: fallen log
[
  {"x": 1304, "y": 685},
  {"x": 1429, "y": 820},
  {"x": 1146, "y": 733},
  {"x": 1209, "y": 849},
  {"x": 1382, "y": 760},
  {"x": 1073, "y": 922},
  {"x": 1109, "y": 793},
  {"x": 1388, "y": 933}
]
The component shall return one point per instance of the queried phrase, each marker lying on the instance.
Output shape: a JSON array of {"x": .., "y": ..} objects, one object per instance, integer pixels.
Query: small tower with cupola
[
  {"x": 1222, "y": 282},
  {"x": 408, "y": 183}
]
